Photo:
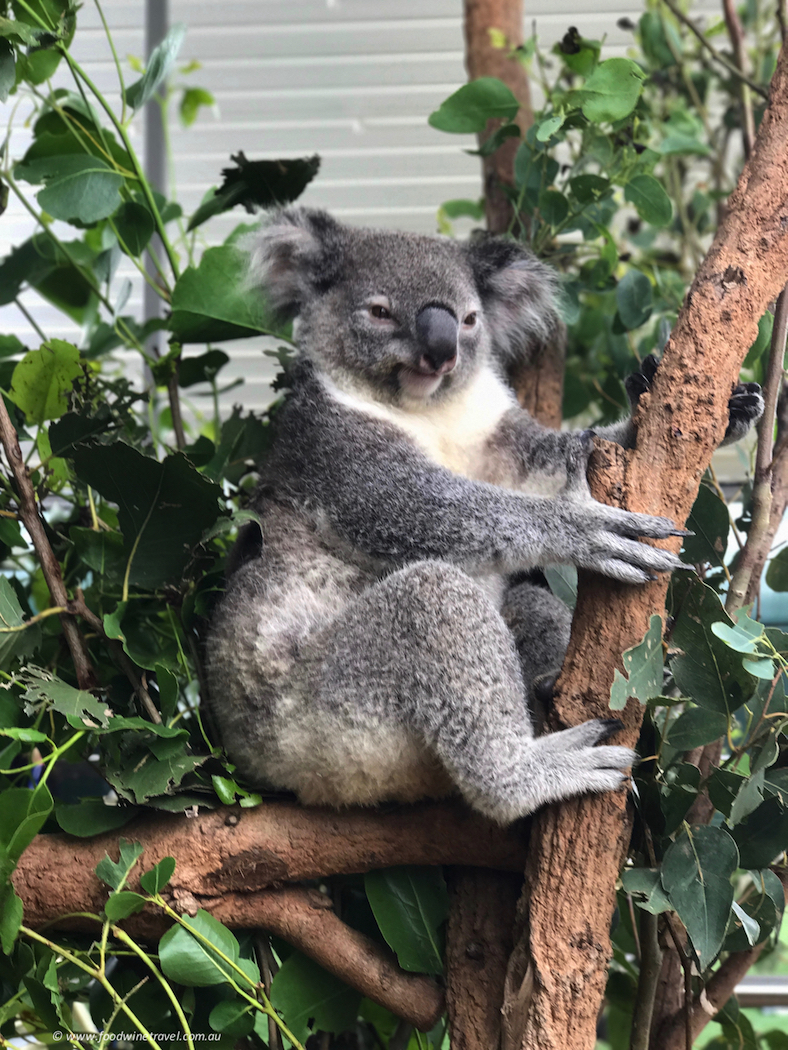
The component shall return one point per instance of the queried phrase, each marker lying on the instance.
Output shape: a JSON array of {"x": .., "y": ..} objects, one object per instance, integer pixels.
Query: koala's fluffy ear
[
  {"x": 518, "y": 293},
  {"x": 295, "y": 255}
]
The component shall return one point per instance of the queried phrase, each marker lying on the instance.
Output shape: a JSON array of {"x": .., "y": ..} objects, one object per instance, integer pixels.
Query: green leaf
[
  {"x": 92, "y": 817},
  {"x": 762, "y": 835},
  {"x": 11, "y": 913},
  {"x": 114, "y": 873},
  {"x": 80, "y": 708},
  {"x": 643, "y": 664},
  {"x": 121, "y": 905},
  {"x": 411, "y": 905},
  {"x": 612, "y": 91},
  {"x": 101, "y": 551},
  {"x": 765, "y": 329},
  {"x": 553, "y": 207},
  {"x": 17, "y": 643},
  {"x": 562, "y": 581},
  {"x": 187, "y": 960},
  {"x": 710, "y": 521},
  {"x": 210, "y": 303},
  {"x": 589, "y": 188},
  {"x": 156, "y": 879},
  {"x": 742, "y": 636},
  {"x": 7, "y": 70},
  {"x": 763, "y": 668},
  {"x": 458, "y": 209},
  {"x": 468, "y": 110},
  {"x": 634, "y": 299},
  {"x": 191, "y": 101},
  {"x": 684, "y": 135},
  {"x": 645, "y": 886},
  {"x": 748, "y": 799},
  {"x": 44, "y": 378},
  {"x": 232, "y": 1017},
  {"x": 777, "y": 572},
  {"x": 696, "y": 727},
  {"x": 22, "y": 815},
  {"x": 257, "y": 184},
  {"x": 79, "y": 188},
  {"x": 201, "y": 369},
  {"x": 135, "y": 226},
  {"x": 650, "y": 199},
  {"x": 304, "y": 992},
  {"x": 707, "y": 671},
  {"x": 162, "y": 515},
  {"x": 225, "y": 789},
  {"x": 159, "y": 65},
  {"x": 548, "y": 128},
  {"x": 696, "y": 874}
]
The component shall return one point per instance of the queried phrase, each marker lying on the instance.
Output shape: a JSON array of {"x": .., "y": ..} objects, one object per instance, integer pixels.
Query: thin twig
[
  {"x": 736, "y": 35},
  {"x": 175, "y": 409},
  {"x": 30, "y": 319},
  {"x": 119, "y": 654},
  {"x": 650, "y": 967},
  {"x": 716, "y": 55},
  {"x": 686, "y": 966},
  {"x": 28, "y": 512},
  {"x": 760, "y": 533}
]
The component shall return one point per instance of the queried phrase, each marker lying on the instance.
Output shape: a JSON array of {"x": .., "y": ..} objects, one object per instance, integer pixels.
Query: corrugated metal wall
[{"x": 353, "y": 80}]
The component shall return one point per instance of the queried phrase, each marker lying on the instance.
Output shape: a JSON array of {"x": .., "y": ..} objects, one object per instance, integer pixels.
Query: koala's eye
[
  {"x": 380, "y": 313},
  {"x": 469, "y": 320}
]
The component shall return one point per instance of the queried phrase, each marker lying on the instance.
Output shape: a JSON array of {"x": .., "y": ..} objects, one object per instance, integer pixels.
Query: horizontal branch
[{"x": 233, "y": 862}]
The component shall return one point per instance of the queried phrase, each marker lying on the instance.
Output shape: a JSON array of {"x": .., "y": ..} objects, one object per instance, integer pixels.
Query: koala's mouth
[{"x": 421, "y": 381}]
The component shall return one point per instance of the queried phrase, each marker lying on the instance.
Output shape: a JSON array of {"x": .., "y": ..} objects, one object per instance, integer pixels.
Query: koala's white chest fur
[{"x": 452, "y": 433}]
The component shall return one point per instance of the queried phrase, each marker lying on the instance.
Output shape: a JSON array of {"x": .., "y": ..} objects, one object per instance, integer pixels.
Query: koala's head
[{"x": 413, "y": 317}]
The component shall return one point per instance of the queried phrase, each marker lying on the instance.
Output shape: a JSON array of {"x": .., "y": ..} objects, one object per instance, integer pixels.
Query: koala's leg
[{"x": 426, "y": 650}]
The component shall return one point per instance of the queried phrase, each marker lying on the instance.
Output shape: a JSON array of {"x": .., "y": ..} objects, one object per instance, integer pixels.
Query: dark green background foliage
[{"x": 617, "y": 185}]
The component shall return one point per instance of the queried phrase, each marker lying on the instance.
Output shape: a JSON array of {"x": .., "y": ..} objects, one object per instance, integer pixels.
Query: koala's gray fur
[{"x": 381, "y": 643}]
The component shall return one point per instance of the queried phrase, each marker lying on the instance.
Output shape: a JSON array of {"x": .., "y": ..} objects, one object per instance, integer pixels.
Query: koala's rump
[{"x": 267, "y": 642}]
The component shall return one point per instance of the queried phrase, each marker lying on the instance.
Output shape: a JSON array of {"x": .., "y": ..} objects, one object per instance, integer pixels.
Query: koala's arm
[
  {"x": 745, "y": 407},
  {"x": 380, "y": 494}
]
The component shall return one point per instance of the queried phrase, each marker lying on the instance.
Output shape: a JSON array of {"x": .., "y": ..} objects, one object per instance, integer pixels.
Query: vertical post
[{"x": 157, "y": 18}]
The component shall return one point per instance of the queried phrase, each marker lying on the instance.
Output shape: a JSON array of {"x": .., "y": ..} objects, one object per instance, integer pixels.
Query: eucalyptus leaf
[
  {"x": 188, "y": 960},
  {"x": 468, "y": 109},
  {"x": 307, "y": 996},
  {"x": 411, "y": 906},
  {"x": 160, "y": 63},
  {"x": 643, "y": 664},
  {"x": 634, "y": 299},
  {"x": 612, "y": 91},
  {"x": 710, "y": 522},
  {"x": 44, "y": 378},
  {"x": 650, "y": 199},
  {"x": 696, "y": 874}
]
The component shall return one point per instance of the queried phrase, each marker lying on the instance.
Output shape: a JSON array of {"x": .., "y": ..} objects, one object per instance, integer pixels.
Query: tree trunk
[
  {"x": 557, "y": 976},
  {"x": 484, "y": 60}
]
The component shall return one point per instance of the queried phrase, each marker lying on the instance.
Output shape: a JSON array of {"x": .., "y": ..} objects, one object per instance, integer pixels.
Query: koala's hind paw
[
  {"x": 745, "y": 408},
  {"x": 639, "y": 382}
]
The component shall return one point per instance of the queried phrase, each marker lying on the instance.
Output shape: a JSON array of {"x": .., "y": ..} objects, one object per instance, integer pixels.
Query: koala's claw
[
  {"x": 639, "y": 382},
  {"x": 745, "y": 408}
]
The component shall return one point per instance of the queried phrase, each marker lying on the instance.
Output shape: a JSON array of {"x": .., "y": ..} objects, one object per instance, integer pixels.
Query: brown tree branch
[
  {"x": 576, "y": 848},
  {"x": 242, "y": 851},
  {"x": 232, "y": 862},
  {"x": 478, "y": 943},
  {"x": 484, "y": 60},
  {"x": 759, "y": 538},
  {"x": 736, "y": 37},
  {"x": 28, "y": 513}
]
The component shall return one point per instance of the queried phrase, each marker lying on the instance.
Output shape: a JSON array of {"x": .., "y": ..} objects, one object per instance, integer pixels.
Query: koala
[{"x": 382, "y": 635}]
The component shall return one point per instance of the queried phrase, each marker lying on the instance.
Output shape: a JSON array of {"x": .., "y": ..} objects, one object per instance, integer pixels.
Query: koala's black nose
[{"x": 436, "y": 332}]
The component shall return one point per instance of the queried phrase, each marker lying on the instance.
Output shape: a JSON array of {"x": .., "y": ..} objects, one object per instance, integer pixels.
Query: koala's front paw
[
  {"x": 745, "y": 408},
  {"x": 639, "y": 382}
]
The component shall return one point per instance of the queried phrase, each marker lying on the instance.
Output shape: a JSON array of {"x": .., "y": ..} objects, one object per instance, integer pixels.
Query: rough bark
[
  {"x": 232, "y": 862},
  {"x": 484, "y": 60},
  {"x": 576, "y": 848},
  {"x": 243, "y": 851},
  {"x": 478, "y": 942}
]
